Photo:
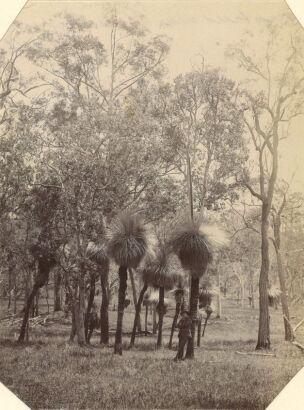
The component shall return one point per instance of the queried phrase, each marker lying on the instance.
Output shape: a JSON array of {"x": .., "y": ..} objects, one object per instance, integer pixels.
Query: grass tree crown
[
  {"x": 163, "y": 270},
  {"x": 194, "y": 243},
  {"x": 128, "y": 240}
]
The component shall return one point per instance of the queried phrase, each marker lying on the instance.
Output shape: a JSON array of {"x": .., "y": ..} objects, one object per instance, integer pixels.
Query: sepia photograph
[{"x": 151, "y": 204}]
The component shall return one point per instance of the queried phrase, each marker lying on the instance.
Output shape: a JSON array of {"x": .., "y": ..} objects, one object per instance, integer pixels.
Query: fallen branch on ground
[
  {"x": 256, "y": 354},
  {"x": 301, "y": 347}
]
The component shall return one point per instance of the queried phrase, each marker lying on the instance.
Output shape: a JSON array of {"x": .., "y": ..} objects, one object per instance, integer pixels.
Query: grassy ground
[{"x": 50, "y": 373}]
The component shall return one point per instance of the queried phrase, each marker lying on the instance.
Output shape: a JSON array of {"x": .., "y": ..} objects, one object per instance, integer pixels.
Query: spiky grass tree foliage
[
  {"x": 127, "y": 246},
  {"x": 194, "y": 243},
  {"x": 162, "y": 272},
  {"x": 96, "y": 252}
]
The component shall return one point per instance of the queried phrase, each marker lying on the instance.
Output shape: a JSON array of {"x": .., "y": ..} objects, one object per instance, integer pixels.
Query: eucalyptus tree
[
  {"x": 204, "y": 129},
  {"x": 269, "y": 108}
]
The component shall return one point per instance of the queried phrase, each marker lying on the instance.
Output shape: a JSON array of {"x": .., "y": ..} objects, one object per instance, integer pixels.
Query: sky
[{"x": 196, "y": 29}]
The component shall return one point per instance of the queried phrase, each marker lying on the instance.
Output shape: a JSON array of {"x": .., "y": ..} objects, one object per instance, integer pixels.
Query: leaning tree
[
  {"x": 194, "y": 244},
  {"x": 128, "y": 244}
]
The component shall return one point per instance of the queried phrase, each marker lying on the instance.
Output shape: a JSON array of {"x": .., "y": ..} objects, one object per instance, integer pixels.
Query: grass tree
[
  {"x": 127, "y": 246},
  {"x": 97, "y": 253},
  {"x": 162, "y": 272},
  {"x": 194, "y": 243}
]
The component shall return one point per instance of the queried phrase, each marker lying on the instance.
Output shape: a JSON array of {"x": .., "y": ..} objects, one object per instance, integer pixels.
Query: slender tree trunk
[
  {"x": 135, "y": 297},
  {"x": 137, "y": 313},
  {"x": 123, "y": 278},
  {"x": 219, "y": 304},
  {"x": 177, "y": 312},
  {"x": 15, "y": 299},
  {"x": 154, "y": 324},
  {"x": 289, "y": 336},
  {"x": 36, "y": 306},
  {"x": 79, "y": 311},
  {"x": 264, "y": 328},
  {"x": 199, "y": 330},
  {"x": 194, "y": 293},
  {"x": 146, "y": 319},
  {"x": 89, "y": 306},
  {"x": 73, "y": 329},
  {"x": 27, "y": 312},
  {"x": 161, "y": 312},
  {"x": 47, "y": 297},
  {"x": 57, "y": 289},
  {"x": 104, "y": 308}
]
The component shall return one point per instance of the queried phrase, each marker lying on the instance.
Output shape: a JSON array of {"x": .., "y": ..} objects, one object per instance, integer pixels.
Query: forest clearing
[
  {"x": 51, "y": 373},
  {"x": 151, "y": 204}
]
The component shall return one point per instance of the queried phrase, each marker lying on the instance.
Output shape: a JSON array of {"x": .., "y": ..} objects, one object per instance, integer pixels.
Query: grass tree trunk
[
  {"x": 174, "y": 323},
  {"x": 89, "y": 306},
  {"x": 57, "y": 287},
  {"x": 137, "y": 313},
  {"x": 264, "y": 327},
  {"x": 104, "y": 308},
  {"x": 27, "y": 312},
  {"x": 154, "y": 324},
  {"x": 194, "y": 293},
  {"x": 123, "y": 278},
  {"x": 161, "y": 312},
  {"x": 135, "y": 298}
]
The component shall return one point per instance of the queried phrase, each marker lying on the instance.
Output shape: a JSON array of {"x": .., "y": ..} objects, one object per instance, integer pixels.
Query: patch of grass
[{"x": 51, "y": 373}]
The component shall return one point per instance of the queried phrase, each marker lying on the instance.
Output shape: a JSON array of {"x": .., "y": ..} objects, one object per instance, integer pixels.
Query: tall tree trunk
[
  {"x": 199, "y": 329},
  {"x": 57, "y": 289},
  {"x": 47, "y": 297},
  {"x": 154, "y": 324},
  {"x": 177, "y": 312},
  {"x": 289, "y": 336},
  {"x": 146, "y": 319},
  {"x": 89, "y": 306},
  {"x": 135, "y": 298},
  {"x": 137, "y": 313},
  {"x": 194, "y": 293},
  {"x": 73, "y": 329},
  {"x": 264, "y": 328},
  {"x": 123, "y": 278},
  {"x": 36, "y": 306},
  {"x": 15, "y": 298},
  {"x": 161, "y": 312},
  {"x": 27, "y": 312},
  {"x": 219, "y": 304},
  {"x": 79, "y": 312},
  {"x": 104, "y": 308}
]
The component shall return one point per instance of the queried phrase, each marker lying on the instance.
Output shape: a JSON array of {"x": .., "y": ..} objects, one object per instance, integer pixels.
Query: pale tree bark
[{"x": 289, "y": 335}]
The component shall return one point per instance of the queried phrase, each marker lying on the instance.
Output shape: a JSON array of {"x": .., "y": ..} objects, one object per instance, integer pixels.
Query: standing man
[{"x": 184, "y": 333}]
